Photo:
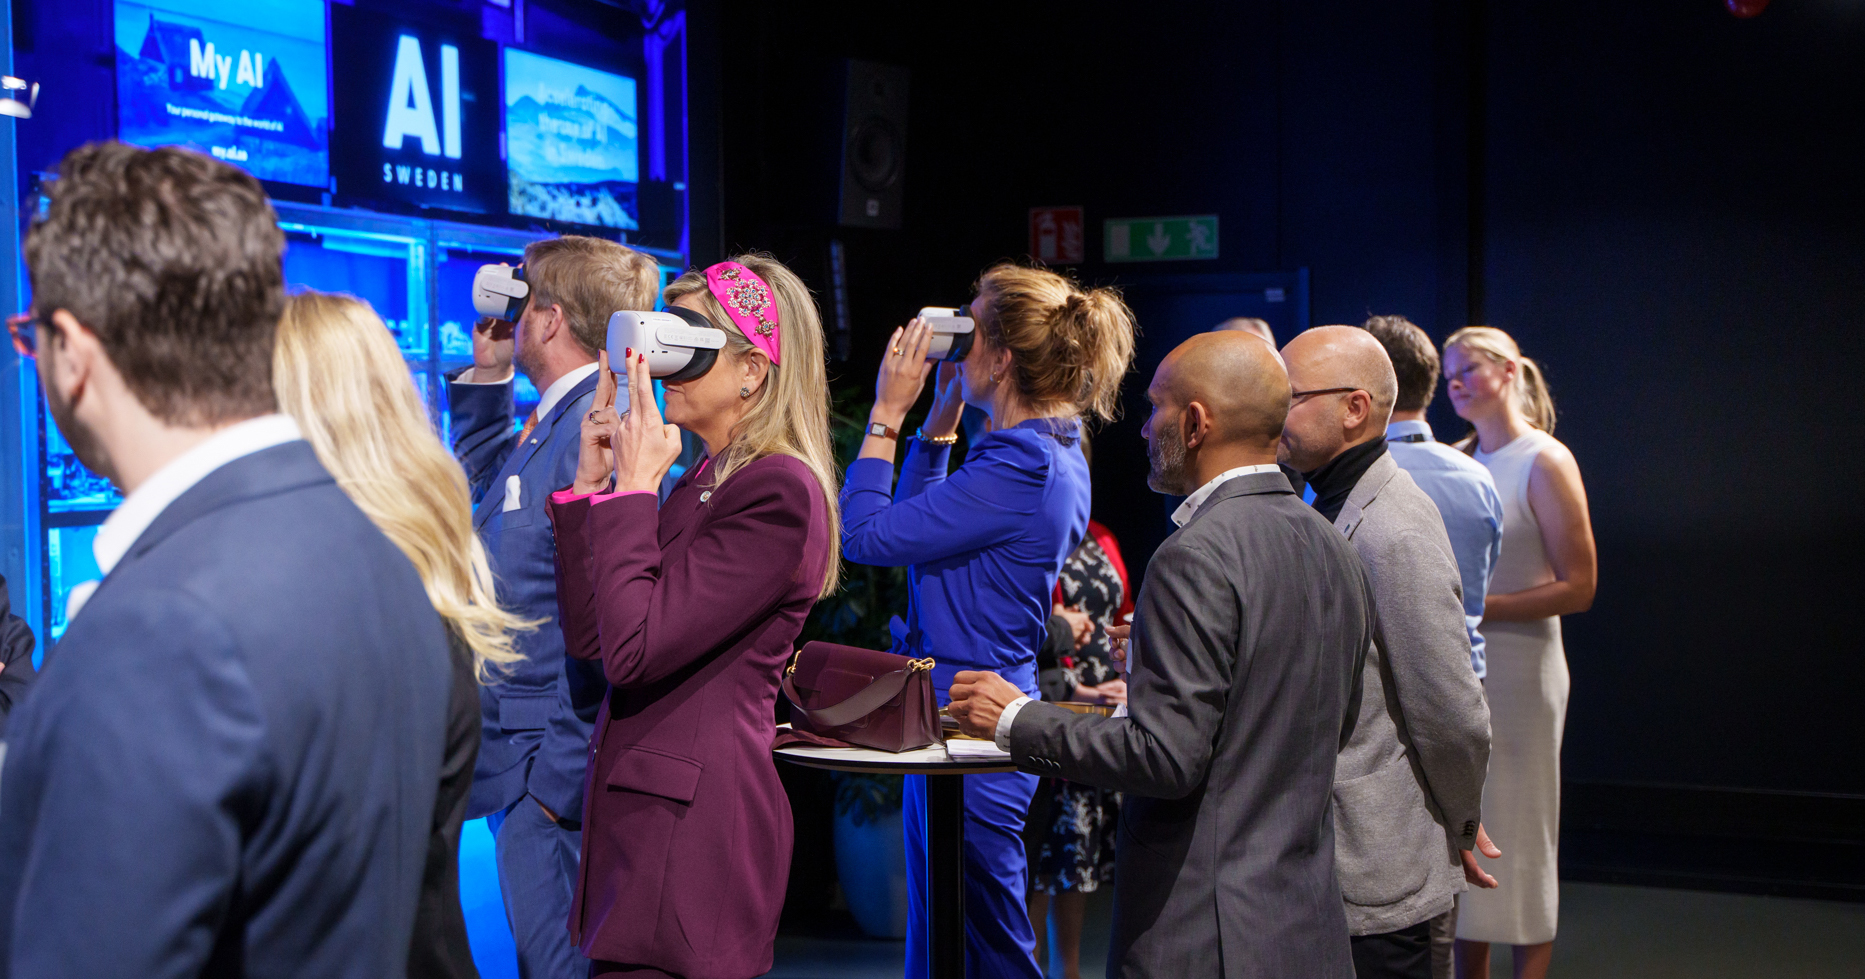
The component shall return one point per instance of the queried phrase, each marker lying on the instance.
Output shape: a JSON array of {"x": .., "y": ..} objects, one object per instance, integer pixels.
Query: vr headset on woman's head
[
  {"x": 680, "y": 344},
  {"x": 952, "y": 332}
]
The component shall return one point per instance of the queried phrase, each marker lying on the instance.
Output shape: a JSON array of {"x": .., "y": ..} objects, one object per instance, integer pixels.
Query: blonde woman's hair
[
  {"x": 1531, "y": 385},
  {"x": 1069, "y": 348},
  {"x": 790, "y": 413},
  {"x": 338, "y": 372}
]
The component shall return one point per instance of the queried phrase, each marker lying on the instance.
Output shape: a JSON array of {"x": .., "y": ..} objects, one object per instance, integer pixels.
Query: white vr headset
[
  {"x": 952, "y": 331},
  {"x": 500, "y": 291},
  {"x": 680, "y": 344}
]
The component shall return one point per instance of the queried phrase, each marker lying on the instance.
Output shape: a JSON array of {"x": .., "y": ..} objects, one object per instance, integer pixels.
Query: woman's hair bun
[{"x": 1068, "y": 346}]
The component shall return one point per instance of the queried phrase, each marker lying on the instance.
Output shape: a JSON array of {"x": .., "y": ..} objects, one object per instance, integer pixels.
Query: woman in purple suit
[{"x": 691, "y": 606}]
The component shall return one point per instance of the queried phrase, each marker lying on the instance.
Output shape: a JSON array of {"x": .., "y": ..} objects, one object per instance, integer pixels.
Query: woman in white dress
[{"x": 1547, "y": 569}]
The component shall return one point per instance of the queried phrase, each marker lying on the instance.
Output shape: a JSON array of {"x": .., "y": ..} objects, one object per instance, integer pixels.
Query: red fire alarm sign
[{"x": 1055, "y": 235}]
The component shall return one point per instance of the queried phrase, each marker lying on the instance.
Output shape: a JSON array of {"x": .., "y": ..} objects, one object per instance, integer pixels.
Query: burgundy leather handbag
[{"x": 862, "y": 697}]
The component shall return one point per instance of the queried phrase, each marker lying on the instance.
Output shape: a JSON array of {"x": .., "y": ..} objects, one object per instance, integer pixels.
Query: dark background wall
[{"x": 1660, "y": 201}]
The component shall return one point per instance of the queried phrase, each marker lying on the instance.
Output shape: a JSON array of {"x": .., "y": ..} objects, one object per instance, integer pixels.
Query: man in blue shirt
[{"x": 1461, "y": 487}]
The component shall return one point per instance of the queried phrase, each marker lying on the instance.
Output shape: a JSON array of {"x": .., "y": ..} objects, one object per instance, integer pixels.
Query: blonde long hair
[
  {"x": 1531, "y": 385},
  {"x": 790, "y": 413},
  {"x": 338, "y": 372}
]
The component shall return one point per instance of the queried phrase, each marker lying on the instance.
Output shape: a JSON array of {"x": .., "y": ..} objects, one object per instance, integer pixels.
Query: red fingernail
[{"x": 628, "y": 352}]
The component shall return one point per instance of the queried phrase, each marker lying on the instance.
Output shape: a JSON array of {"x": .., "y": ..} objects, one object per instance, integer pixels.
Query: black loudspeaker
[{"x": 874, "y": 145}]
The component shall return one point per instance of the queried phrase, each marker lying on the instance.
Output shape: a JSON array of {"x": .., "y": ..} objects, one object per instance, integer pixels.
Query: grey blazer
[
  {"x": 1252, "y": 623},
  {"x": 1409, "y": 790}
]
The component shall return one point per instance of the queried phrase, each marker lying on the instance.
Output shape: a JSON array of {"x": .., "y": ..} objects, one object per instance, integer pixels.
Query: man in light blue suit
[
  {"x": 1460, "y": 486},
  {"x": 537, "y": 721},
  {"x": 228, "y": 765}
]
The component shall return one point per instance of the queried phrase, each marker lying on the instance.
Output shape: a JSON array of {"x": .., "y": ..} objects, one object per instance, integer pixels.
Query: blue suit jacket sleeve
[
  {"x": 483, "y": 433},
  {"x": 135, "y": 800}
]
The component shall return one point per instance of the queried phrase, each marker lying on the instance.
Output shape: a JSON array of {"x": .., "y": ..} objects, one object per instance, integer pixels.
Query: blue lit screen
[
  {"x": 571, "y": 142},
  {"x": 69, "y": 561},
  {"x": 374, "y": 271},
  {"x": 244, "y": 80},
  {"x": 68, "y": 486}
]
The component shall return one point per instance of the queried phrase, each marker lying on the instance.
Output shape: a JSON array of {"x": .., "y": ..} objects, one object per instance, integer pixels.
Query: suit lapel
[
  {"x": 494, "y": 500},
  {"x": 1364, "y": 493},
  {"x": 682, "y": 510}
]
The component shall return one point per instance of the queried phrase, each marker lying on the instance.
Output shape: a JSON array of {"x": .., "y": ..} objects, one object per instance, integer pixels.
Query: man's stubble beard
[{"x": 1165, "y": 451}]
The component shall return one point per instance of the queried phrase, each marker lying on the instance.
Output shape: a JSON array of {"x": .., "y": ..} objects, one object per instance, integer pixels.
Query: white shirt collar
[
  {"x": 561, "y": 386},
  {"x": 141, "y": 507},
  {"x": 1401, "y": 429},
  {"x": 1187, "y": 509}
]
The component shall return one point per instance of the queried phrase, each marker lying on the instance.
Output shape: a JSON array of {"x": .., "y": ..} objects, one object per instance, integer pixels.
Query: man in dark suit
[
  {"x": 1246, "y": 648},
  {"x": 537, "y": 721},
  {"x": 228, "y": 766},
  {"x": 16, "y": 646}
]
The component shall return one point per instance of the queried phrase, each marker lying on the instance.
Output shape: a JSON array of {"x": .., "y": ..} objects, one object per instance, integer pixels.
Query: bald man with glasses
[{"x": 1408, "y": 788}]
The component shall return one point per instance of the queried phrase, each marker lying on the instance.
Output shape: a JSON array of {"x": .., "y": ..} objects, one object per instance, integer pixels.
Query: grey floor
[{"x": 1606, "y": 931}]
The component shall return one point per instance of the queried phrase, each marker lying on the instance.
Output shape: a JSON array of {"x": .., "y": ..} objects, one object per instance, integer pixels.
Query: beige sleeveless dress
[{"x": 1527, "y": 690}]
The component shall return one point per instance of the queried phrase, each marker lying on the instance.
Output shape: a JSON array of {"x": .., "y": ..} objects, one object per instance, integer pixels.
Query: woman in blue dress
[{"x": 985, "y": 544}]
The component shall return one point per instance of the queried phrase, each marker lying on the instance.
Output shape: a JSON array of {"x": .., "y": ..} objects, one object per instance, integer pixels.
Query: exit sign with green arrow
[{"x": 1192, "y": 236}]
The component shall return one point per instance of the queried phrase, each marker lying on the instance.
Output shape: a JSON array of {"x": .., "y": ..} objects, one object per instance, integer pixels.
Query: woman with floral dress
[{"x": 1072, "y": 827}]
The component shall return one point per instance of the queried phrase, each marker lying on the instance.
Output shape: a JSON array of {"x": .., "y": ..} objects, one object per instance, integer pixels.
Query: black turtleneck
[{"x": 1342, "y": 473}]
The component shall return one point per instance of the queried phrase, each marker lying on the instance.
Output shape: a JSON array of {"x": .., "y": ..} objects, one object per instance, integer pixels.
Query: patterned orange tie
[{"x": 530, "y": 423}]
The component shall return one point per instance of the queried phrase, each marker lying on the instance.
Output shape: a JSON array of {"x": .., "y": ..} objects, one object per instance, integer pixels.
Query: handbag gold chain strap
[{"x": 913, "y": 665}]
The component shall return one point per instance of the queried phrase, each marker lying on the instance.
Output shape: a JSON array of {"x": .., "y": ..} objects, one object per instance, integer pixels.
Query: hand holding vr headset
[
  {"x": 500, "y": 295},
  {"x": 939, "y": 335},
  {"x": 636, "y": 447}
]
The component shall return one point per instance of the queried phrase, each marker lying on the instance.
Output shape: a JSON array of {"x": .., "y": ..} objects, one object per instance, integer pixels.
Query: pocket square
[{"x": 513, "y": 493}]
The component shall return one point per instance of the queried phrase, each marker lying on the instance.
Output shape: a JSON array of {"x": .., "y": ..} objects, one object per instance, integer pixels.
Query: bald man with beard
[
  {"x": 1246, "y": 646},
  {"x": 1409, "y": 791}
]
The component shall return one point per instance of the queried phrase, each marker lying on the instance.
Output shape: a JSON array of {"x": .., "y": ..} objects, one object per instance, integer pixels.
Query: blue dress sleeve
[
  {"x": 991, "y": 498},
  {"x": 925, "y": 466}
]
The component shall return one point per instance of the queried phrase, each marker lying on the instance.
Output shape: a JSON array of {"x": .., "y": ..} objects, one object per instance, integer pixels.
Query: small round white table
[{"x": 945, "y": 831}]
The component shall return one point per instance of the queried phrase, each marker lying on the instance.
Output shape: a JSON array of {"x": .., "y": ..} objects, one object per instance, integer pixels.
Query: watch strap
[{"x": 876, "y": 428}]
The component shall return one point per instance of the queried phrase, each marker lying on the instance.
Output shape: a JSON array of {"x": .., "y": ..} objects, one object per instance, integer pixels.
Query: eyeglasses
[
  {"x": 24, "y": 328},
  {"x": 1299, "y": 395}
]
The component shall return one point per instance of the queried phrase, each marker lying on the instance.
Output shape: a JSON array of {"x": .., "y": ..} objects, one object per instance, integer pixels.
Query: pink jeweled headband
[{"x": 749, "y": 302}]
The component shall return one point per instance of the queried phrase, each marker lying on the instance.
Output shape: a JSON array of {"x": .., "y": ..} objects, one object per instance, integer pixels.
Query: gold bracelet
[{"x": 935, "y": 439}]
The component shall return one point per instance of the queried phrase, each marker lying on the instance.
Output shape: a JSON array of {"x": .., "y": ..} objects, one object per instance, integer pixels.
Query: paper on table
[{"x": 967, "y": 750}]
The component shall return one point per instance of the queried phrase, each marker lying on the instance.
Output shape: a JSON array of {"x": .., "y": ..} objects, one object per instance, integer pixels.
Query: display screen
[
  {"x": 571, "y": 142},
  {"x": 377, "y": 272},
  {"x": 68, "y": 485},
  {"x": 420, "y": 121},
  {"x": 70, "y": 562},
  {"x": 241, "y": 79}
]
